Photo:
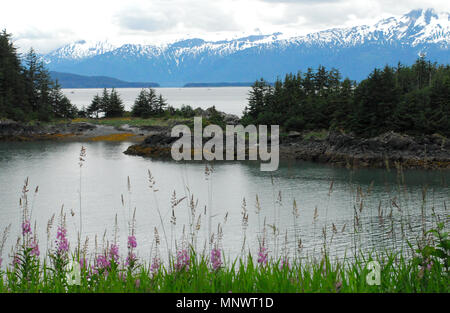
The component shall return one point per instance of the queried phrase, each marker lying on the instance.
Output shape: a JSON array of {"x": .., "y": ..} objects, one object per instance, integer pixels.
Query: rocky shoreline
[
  {"x": 69, "y": 131},
  {"x": 388, "y": 150}
]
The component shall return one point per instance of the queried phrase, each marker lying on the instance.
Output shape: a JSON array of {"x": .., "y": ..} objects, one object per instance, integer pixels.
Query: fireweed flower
[
  {"x": 114, "y": 253},
  {"x": 262, "y": 255},
  {"x": 62, "y": 243},
  {"x": 216, "y": 258},
  {"x": 16, "y": 260},
  {"x": 132, "y": 242},
  {"x": 26, "y": 227},
  {"x": 102, "y": 262},
  {"x": 156, "y": 263},
  {"x": 183, "y": 260},
  {"x": 34, "y": 248},
  {"x": 131, "y": 258}
]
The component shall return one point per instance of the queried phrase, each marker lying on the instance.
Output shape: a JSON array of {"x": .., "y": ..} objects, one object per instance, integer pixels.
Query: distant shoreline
[{"x": 159, "y": 87}]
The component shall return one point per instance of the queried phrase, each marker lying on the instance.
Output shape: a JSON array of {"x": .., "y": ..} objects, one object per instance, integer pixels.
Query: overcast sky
[{"x": 48, "y": 24}]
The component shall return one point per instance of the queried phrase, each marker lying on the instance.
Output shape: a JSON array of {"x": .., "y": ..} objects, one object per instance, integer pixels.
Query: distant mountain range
[
  {"x": 355, "y": 51},
  {"x": 67, "y": 80}
]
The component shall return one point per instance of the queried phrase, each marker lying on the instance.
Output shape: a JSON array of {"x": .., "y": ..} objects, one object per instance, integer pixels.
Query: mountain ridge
[{"x": 353, "y": 50}]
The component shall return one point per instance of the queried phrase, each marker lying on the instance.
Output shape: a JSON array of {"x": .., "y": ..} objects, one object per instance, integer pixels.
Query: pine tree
[
  {"x": 148, "y": 104},
  {"x": 142, "y": 107},
  {"x": 162, "y": 104},
  {"x": 115, "y": 106},
  {"x": 61, "y": 106},
  {"x": 13, "y": 98},
  {"x": 257, "y": 100},
  {"x": 95, "y": 107}
]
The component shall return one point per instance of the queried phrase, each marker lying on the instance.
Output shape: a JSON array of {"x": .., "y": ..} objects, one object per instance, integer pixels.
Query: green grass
[
  {"x": 397, "y": 275},
  {"x": 120, "y": 121},
  {"x": 320, "y": 135}
]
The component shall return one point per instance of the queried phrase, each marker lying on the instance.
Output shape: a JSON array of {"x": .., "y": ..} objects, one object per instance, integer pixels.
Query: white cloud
[{"x": 48, "y": 24}]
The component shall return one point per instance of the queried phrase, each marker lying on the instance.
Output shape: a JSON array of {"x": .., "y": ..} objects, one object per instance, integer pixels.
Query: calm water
[
  {"x": 226, "y": 99},
  {"x": 54, "y": 168}
]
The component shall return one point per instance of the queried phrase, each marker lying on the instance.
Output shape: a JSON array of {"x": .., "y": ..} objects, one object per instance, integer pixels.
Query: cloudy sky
[{"x": 48, "y": 24}]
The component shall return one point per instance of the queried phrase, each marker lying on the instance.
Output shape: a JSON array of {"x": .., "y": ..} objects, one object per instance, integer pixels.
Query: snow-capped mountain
[
  {"x": 355, "y": 51},
  {"x": 81, "y": 49}
]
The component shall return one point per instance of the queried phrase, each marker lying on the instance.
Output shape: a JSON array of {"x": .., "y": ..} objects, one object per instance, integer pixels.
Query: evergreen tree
[
  {"x": 115, "y": 106},
  {"x": 148, "y": 104},
  {"x": 257, "y": 100},
  {"x": 142, "y": 106},
  {"x": 95, "y": 107},
  {"x": 161, "y": 104},
  {"x": 61, "y": 106},
  {"x": 104, "y": 101},
  {"x": 13, "y": 99}
]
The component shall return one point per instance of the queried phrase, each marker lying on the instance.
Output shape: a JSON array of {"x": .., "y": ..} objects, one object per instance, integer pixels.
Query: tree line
[
  {"x": 109, "y": 104},
  {"x": 411, "y": 99},
  {"x": 26, "y": 89}
]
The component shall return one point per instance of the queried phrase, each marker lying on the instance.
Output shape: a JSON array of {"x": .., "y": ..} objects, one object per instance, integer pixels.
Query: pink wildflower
[
  {"x": 132, "y": 242},
  {"x": 16, "y": 260},
  {"x": 34, "y": 248},
  {"x": 155, "y": 265},
  {"x": 262, "y": 255},
  {"x": 114, "y": 253},
  {"x": 216, "y": 258},
  {"x": 183, "y": 260},
  {"x": 131, "y": 258},
  {"x": 62, "y": 243},
  {"x": 102, "y": 262},
  {"x": 26, "y": 227}
]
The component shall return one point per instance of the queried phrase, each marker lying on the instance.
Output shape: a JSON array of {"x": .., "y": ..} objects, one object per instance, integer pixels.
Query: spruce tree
[
  {"x": 161, "y": 104},
  {"x": 142, "y": 106},
  {"x": 95, "y": 107},
  {"x": 104, "y": 101},
  {"x": 61, "y": 106},
  {"x": 115, "y": 106}
]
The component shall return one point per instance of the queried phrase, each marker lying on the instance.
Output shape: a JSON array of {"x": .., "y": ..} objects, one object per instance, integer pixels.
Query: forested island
[{"x": 69, "y": 80}]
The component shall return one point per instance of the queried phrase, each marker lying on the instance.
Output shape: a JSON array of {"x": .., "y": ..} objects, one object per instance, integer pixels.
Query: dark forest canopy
[
  {"x": 411, "y": 99},
  {"x": 26, "y": 89}
]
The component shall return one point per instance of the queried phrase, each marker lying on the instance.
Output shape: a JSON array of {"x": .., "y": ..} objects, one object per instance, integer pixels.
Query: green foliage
[
  {"x": 148, "y": 104},
  {"x": 412, "y": 99},
  {"x": 241, "y": 276},
  {"x": 436, "y": 253},
  {"x": 114, "y": 107},
  {"x": 26, "y": 91}
]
